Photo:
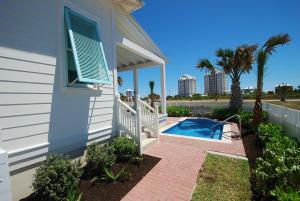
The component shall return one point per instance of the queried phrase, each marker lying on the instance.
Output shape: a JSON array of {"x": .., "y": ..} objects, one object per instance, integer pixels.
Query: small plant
[
  {"x": 73, "y": 195},
  {"x": 100, "y": 156},
  {"x": 178, "y": 111},
  {"x": 222, "y": 113},
  {"x": 124, "y": 147},
  {"x": 289, "y": 195},
  {"x": 137, "y": 160},
  {"x": 110, "y": 176},
  {"x": 53, "y": 179}
]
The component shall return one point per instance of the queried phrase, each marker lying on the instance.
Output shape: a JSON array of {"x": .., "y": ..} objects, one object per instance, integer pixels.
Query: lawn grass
[
  {"x": 223, "y": 179},
  {"x": 290, "y": 104}
]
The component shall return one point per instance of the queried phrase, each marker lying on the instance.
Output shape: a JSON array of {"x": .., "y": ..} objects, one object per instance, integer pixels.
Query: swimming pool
[{"x": 197, "y": 128}]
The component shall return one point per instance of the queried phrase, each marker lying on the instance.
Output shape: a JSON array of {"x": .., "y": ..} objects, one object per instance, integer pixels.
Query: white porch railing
[
  {"x": 150, "y": 118},
  {"x": 131, "y": 121}
]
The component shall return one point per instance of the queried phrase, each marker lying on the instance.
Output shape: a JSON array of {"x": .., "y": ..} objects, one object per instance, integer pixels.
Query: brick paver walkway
[{"x": 174, "y": 177}]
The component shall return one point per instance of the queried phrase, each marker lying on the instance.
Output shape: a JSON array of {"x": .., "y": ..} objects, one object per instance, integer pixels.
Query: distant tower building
[
  {"x": 186, "y": 86},
  {"x": 215, "y": 82},
  {"x": 129, "y": 95}
]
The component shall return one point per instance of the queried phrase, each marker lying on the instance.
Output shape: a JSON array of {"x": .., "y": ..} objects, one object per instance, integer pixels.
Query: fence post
[
  {"x": 117, "y": 99},
  {"x": 139, "y": 128},
  {"x": 157, "y": 121}
]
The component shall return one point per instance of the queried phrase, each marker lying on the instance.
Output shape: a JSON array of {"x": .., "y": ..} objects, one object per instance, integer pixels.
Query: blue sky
[{"x": 188, "y": 30}]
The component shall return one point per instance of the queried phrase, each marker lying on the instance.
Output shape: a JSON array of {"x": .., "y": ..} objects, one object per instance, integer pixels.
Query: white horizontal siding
[
  {"x": 25, "y": 142},
  {"x": 24, "y": 120},
  {"x": 21, "y": 87},
  {"x": 11, "y": 99},
  {"x": 25, "y": 131},
  {"x": 32, "y": 67},
  {"x": 35, "y": 106},
  {"x": 19, "y": 76},
  {"x": 25, "y": 109}
]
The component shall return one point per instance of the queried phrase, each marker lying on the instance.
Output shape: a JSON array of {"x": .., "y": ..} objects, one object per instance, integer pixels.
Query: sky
[{"x": 186, "y": 30}]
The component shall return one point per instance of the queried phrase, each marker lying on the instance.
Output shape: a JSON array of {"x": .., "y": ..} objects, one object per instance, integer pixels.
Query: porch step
[{"x": 148, "y": 142}]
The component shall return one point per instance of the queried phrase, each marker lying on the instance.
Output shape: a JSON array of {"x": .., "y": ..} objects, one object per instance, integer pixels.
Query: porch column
[
  {"x": 163, "y": 88},
  {"x": 136, "y": 85}
]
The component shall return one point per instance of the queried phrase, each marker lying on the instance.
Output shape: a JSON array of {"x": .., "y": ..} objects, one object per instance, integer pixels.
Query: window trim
[{"x": 89, "y": 83}]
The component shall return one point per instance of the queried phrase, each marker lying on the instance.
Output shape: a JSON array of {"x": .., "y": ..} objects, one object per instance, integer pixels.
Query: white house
[{"x": 59, "y": 61}]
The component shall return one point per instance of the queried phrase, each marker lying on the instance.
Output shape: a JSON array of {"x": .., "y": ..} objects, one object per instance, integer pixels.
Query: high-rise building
[
  {"x": 215, "y": 82},
  {"x": 186, "y": 85}
]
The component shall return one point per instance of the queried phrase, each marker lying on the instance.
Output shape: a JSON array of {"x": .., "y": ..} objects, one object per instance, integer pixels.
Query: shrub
[
  {"x": 178, "y": 111},
  {"x": 55, "y": 177},
  {"x": 125, "y": 148},
  {"x": 267, "y": 131},
  {"x": 279, "y": 164},
  {"x": 288, "y": 194},
  {"x": 246, "y": 118},
  {"x": 99, "y": 156},
  {"x": 222, "y": 113},
  {"x": 122, "y": 175}
]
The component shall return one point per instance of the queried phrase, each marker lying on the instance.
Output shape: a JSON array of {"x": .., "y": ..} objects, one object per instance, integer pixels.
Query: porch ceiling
[{"x": 127, "y": 60}]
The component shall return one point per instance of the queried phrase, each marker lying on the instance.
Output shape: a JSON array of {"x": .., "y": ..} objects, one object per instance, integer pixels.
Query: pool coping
[{"x": 226, "y": 135}]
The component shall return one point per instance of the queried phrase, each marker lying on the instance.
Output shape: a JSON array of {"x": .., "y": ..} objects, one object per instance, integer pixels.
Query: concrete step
[
  {"x": 148, "y": 142},
  {"x": 146, "y": 135}
]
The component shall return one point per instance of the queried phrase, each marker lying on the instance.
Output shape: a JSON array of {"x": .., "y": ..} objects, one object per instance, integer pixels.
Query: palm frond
[
  {"x": 244, "y": 58},
  {"x": 273, "y": 42},
  {"x": 205, "y": 64},
  {"x": 225, "y": 59}
]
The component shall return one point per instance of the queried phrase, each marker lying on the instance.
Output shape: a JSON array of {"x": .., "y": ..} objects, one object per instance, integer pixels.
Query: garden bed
[{"x": 108, "y": 190}]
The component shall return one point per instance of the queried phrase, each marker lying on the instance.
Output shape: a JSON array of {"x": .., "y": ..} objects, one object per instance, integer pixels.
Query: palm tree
[
  {"x": 151, "y": 85},
  {"x": 120, "y": 81},
  {"x": 234, "y": 63},
  {"x": 205, "y": 64},
  {"x": 263, "y": 54},
  {"x": 283, "y": 91}
]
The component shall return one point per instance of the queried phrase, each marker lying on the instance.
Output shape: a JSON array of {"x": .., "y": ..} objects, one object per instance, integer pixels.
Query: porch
[{"x": 134, "y": 52}]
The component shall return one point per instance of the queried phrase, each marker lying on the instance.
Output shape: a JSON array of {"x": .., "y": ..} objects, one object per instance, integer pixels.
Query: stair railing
[
  {"x": 150, "y": 118},
  {"x": 226, "y": 120},
  {"x": 129, "y": 121}
]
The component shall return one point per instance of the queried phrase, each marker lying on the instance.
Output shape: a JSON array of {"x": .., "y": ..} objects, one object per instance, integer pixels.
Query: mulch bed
[{"x": 110, "y": 191}]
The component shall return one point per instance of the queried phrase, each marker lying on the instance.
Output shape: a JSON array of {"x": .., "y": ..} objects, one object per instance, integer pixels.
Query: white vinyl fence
[
  {"x": 204, "y": 107},
  {"x": 288, "y": 118}
]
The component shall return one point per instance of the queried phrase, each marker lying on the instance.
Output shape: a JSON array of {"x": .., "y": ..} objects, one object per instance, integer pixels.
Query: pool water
[{"x": 197, "y": 128}]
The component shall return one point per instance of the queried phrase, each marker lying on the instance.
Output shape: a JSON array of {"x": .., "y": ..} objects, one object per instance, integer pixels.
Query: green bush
[
  {"x": 279, "y": 164},
  {"x": 99, "y": 156},
  {"x": 222, "y": 113},
  {"x": 178, "y": 111},
  {"x": 288, "y": 194},
  {"x": 125, "y": 148},
  {"x": 55, "y": 177},
  {"x": 267, "y": 131},
  {"x": 246, "y": 118}
]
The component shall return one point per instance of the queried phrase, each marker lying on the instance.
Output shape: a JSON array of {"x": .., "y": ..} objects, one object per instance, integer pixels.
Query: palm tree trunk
[
  {"x": 236, "y": 100},
  {"x": 152, "y": 99},
  {"x": 257, "y": 112}
]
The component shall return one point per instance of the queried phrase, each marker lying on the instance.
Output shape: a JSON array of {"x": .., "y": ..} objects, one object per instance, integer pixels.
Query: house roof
[
  {"x": 129, "y": 28},
  {"x": 129, "y": 5}
]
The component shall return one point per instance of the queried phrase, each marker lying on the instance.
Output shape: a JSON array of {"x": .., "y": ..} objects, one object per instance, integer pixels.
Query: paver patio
[{"x": 174, "y": 177}]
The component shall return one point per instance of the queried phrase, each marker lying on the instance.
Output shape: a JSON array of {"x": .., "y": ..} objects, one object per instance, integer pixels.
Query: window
[{"x": 85, "y": 56}]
